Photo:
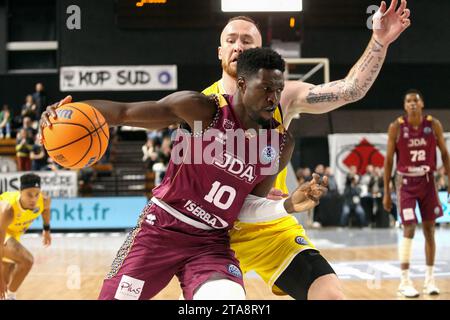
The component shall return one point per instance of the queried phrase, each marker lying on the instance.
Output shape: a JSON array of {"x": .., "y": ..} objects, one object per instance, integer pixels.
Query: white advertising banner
[
  {"x": 57, "y": 184},
  {"x": 360, "y": 150},
  {"x": 118, "y": 78}
]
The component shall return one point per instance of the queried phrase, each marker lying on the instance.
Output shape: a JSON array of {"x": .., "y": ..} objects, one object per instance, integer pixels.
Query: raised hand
[
  {"x": 307, "y": 195},
  {"x": 50, "y": 112},
  {"x": 389, "y": 24}
]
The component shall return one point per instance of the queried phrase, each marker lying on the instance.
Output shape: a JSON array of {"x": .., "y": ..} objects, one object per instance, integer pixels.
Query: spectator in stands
[
  {"x": 38, "y": 156},
  {"x": 332, "y": 184},
  {"x": 366, "y": 195},
  {"x": 40, "y": 99},
  {"x": 317, "y": 211},
  {"x": 350, "y": 175},
  {"x": 150, "y": 152},
  {"x": 352, "y": 203},
  {"x": 52, "y": 165},
  {"x": 307, "y": 176},
  {"x": 164, "y": 153},
  {"x": 376, "y": 189},
  {"x": 29, "y": 108},
  {"x": 299, "y": 176},
  {"x": 156, "y": 136},
  {"x": 320, "y": 170},
  {"x": 23, "y": 149},
  {"x": 27, "y": 124},
  {"x": 5, "y": 122},
  {"x": 441, "y": 179}
]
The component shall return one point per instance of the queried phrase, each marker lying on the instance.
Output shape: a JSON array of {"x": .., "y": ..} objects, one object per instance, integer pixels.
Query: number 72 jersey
[
  {"x": 206, "y": 180},
  {"x": 416, "y": 147}
]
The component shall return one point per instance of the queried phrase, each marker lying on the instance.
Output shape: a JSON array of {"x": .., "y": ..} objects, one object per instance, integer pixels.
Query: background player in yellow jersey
[
  {"x": 18, "y": 210},
  {"x": 277, "y": 248}
]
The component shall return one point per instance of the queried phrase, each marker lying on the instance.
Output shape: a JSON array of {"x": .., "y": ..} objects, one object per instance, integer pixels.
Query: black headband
[{"x": 30, "y": 183}]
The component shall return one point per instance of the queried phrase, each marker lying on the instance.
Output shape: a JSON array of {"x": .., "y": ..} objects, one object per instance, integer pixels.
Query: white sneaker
[
  {"x": 316, "y": 225},
  {"x": 407, "y": 290},
  {"x": 430, "y": 288}
]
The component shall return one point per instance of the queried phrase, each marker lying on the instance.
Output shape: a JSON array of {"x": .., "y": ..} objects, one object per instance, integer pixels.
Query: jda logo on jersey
[
  {"x": 417, "y": 142},
  {"x": 236, "y": 167},
  {"x": 301, "y": 241},
  {"x": 232, "y": 269},
  {"x": 269, "y": 154},
  {"x": 427, "y": 130}
]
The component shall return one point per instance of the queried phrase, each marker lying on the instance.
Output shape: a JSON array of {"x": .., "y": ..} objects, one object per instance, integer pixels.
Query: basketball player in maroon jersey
[
  {"x": 183, "y": 230},
  {"x": 414, "y": 138}
]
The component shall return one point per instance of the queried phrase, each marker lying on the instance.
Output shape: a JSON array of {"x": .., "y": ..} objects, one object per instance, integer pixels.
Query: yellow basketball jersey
[
  {"x": 280, "y": 182},
  {"x": 23, "y": 218}
]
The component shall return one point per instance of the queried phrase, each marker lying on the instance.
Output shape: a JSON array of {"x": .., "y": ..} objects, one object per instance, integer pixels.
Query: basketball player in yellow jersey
[
  {"x": 277, "y": 248},
  {"x": 18, "y": 210}
]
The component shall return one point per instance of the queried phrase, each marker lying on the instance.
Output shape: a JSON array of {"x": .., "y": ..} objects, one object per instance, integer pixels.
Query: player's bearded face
[
  {"x": 229, "y": 67},
  {"x": 237, "y": 36}
]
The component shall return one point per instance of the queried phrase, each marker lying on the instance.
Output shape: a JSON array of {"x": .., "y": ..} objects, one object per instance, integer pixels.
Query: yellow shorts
[
  {"x": 269, "y": 247},
  {"x": 15, "y": 236}
]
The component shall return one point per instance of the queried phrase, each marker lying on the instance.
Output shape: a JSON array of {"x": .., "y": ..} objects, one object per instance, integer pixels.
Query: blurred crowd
[
  {"x": 156, "y": 152},
  {"x": 23, "y": 124},
  {"x": 361, "y": 202}
]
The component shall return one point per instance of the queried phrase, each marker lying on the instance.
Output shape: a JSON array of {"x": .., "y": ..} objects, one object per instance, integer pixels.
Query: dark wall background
[{"x": 334, "y": 29}]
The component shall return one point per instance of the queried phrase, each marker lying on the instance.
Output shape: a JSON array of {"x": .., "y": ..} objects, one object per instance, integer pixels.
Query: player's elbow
[{"x": 351, "y": 92}]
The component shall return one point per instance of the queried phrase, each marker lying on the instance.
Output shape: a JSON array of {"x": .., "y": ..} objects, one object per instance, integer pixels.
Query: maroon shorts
[
  {"x": 421, "y": 190},
  {"x": 162, "y": 246}
]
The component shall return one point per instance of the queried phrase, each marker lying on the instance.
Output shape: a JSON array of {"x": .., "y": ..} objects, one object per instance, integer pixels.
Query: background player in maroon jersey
[
  {"x": 413, "y": 138},
  {"x": 183, "y": 231}
]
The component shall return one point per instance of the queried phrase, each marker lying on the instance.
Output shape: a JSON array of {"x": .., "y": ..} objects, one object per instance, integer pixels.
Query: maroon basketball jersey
[
  {"x": 416, "y": 148},
  {"x": 212, "y": 189}
]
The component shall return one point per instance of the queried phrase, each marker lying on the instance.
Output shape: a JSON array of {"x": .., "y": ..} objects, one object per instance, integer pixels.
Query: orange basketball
[{"x": 78, "y": 137}]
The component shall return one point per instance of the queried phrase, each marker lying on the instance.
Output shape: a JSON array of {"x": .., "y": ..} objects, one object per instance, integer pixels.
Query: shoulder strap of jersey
[{"x": 221, "y": 100}]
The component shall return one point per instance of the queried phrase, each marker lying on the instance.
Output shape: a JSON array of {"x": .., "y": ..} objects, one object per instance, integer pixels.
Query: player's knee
[
  {"x": 221, "y": 289},
  {"x": 334, "y": 294},
  {"x": 27, "y": 262},
  {"x": 409, "y": 230},
  {"x": 309, "y": 276},
  {"x": 428, "y": 234},
  {"x": 326, "y": 287}
]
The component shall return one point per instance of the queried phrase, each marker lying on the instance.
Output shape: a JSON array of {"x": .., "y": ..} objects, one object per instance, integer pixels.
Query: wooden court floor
[{"x": 73, "y": 268}]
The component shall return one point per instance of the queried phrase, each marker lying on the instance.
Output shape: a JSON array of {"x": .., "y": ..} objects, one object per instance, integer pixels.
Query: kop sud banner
[
  {"x": 118, "y": 78},
  {"x": 58, "y": 184},
  {"x": 360, "y": 150}
]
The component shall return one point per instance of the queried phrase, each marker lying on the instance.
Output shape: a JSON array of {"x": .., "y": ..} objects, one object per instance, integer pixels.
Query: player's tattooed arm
[
  {"x": 178, "y": 107},
  {"x": 388, "y": 24},
  {"x": 299, "y": 97}
]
